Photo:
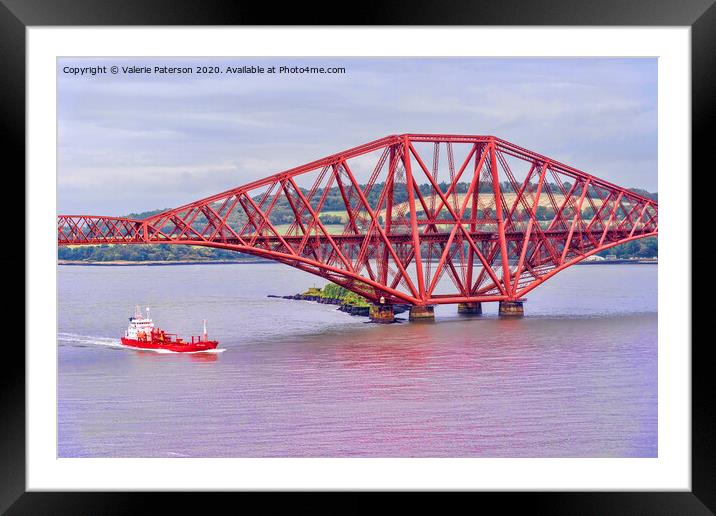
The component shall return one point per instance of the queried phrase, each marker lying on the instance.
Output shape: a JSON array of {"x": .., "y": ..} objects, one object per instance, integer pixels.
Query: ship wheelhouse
[{"x": 140, "y": 328}]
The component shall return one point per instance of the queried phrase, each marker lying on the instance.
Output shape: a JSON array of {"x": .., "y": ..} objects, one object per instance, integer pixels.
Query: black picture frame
[{"x": 17, "y": 15}]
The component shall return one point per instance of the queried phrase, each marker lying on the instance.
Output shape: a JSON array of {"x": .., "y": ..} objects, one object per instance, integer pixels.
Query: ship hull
[{"x": 184, "y": 347}]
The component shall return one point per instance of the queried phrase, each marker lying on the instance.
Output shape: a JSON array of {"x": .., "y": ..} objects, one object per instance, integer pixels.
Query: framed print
[{"x": 373, "y": 257}]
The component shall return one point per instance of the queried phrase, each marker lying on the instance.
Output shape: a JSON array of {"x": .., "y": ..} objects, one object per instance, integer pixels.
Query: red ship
[{"x": 142, "y": 334}]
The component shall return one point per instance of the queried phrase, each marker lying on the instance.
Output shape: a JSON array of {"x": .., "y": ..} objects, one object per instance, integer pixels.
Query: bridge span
[{"x": 434, "y": 219}]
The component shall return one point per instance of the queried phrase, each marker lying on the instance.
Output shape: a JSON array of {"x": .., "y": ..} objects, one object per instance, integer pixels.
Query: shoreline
[
  {"x": 627, "y": 261},
  {"x": 124, "y": 263}
]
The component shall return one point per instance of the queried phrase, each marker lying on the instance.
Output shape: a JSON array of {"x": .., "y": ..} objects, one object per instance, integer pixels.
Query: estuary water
[{"x": 576, "y": 377}]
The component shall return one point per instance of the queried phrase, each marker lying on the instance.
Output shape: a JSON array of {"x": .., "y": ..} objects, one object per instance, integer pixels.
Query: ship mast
[{"x": 206, "y": 336}]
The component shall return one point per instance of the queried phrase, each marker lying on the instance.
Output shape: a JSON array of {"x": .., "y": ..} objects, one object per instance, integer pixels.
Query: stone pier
[
  {"x": 382, "y": 314},
  {"x": 421, "y": 313},
  {"x": 469, "y": 308},
  {"x": 511, "y": 309}
]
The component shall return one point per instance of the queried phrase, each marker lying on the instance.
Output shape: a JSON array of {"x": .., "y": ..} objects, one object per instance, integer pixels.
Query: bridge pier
[
  {"x": 469, "y": 308},
  {"x": 512, "y": 309},
  {"x": 421, "y": 313},
  {"x": 382, "y": 314}
]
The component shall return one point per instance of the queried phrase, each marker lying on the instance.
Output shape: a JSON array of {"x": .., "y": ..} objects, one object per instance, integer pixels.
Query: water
[{"x": 577, "y": 377}]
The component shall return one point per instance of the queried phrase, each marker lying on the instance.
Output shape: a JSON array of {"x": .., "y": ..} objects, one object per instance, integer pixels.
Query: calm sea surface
[{"x": 577, "y": 377}]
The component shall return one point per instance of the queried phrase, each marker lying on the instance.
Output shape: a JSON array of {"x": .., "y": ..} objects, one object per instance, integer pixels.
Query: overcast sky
[{"x": 131, "y": 143}]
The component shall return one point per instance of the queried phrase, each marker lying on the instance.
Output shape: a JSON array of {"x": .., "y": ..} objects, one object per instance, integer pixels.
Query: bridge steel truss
[{"x": 435, "y": 219}]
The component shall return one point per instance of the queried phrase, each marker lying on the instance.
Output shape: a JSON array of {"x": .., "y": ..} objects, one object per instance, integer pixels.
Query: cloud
[{"x": 138, "y": 142}]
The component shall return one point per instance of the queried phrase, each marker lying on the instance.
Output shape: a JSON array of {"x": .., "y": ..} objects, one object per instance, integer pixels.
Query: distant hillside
[
  {"x": 333, "y": 216},
  {"x": 145, "y": 214},
  {"x": 650, "y": 195}
]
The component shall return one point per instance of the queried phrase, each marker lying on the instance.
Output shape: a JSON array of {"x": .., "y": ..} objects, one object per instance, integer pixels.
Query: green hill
[{"x": 333, "y": 216}]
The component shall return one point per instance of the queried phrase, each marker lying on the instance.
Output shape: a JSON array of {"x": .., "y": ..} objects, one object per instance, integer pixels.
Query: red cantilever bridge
[{"x": 437, "y": 219}]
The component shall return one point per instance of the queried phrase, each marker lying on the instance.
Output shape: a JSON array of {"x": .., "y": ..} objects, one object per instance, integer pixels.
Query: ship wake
[
  {"x": 83, "y": 341},
  {"x": 74, "y": 339}
]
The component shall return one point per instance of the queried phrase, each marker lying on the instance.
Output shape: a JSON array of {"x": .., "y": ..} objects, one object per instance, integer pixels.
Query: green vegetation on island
[
  {"x": 332, "y": 294},
  {"x": 336, "y": 292}
]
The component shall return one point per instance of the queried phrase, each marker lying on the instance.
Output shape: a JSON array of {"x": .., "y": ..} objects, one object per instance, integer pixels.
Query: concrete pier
[
  {"x": 382, "y": 314},
  {"x": 469, "y": 308},
  {"x": 421, "y": 313},
  {"x": 511, "y": 309}
]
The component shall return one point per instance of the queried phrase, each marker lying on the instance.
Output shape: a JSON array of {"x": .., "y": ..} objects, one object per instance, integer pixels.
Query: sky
[{"x": 137, "y": 142}]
